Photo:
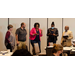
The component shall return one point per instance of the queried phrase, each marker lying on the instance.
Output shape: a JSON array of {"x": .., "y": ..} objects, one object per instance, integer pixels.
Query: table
[
  {"x": 68, "y": 50},
  {"x": 5, "y": 53}
]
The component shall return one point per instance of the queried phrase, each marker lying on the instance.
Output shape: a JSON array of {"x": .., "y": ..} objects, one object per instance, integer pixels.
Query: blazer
[
  {"x": 67, "y": 43},
  {"x": 55, "y": 32},
  {"x": 32, "y": 32}
]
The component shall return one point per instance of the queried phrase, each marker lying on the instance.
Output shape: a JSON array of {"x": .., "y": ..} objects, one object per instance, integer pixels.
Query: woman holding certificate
[
  {"x": 35, "y": 35},
  {"x": 52, "y": 34}
]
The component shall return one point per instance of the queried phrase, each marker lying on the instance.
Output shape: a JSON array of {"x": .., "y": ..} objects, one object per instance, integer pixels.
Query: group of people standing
[{"x": 35, "y": 36}]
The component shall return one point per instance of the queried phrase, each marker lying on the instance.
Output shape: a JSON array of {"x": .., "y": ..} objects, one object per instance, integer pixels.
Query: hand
[
  {"x": 17, "y": 42},
  {"x": 49, "y": 34},
  {"x": 35, "y": 34},
  {"x": 53, "y": 34},
  {"x": 74, "y": 45},
  {"x": 41, "y": 31},
  {"x": 66, "y": 38}
]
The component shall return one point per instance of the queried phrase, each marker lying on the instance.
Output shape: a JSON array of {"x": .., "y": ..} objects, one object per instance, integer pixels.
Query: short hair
[
  {"x": 36, "y": 24},
  {"x": 22, "y": 52},
  {"x": 52, "y": 23},
  {"x": 57, "y": 47},
  {"x": 9, "y": 26},
  {"x": 22, "y": 23}
]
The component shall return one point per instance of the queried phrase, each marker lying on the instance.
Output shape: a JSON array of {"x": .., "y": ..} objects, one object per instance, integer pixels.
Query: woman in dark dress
[{"x": 52, "y": 34}]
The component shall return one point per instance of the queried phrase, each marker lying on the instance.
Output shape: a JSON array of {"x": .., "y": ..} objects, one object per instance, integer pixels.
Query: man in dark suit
[{"x": 52, "y": 34}]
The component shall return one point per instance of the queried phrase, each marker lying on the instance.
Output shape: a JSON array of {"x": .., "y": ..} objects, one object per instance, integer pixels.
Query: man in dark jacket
[{"x": 52, "y": 34}]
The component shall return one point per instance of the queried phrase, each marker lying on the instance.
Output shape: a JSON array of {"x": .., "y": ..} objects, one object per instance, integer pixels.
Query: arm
[
  {"x": 70, "y": 36},
  {"x": 17, "y": 32},
  {"x": 31, "y": 32},
  {"x": 57, "y": 34},
  {"x": 48, "y": 33},
  {"x": 41, "y": 33},
  {"x": 7, "y": 36}
]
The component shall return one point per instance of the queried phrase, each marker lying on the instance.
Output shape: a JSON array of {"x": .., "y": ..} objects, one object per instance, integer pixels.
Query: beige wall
[
  {"x": 3, "y": 29},
  {"x": 43, "y": 25}
]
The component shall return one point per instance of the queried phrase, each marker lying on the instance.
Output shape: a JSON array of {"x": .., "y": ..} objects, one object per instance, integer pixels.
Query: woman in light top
[{"x": 9, "y": 38}]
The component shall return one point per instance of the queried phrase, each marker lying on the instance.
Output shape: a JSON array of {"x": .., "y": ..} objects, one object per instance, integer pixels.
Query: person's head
[
  {"x": 52, "y": 25},
  {"x": 10, "y": 27},
  {"x": 57, "y": 48},
  {"x": 36, "y": 25},
  {"x": 22, "y": 52},
  {"x": 23, "y": 25},
  {"x": 66, "y": 28}
]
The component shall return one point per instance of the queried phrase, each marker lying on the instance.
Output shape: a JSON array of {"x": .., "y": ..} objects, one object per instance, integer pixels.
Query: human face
[
  {"x": 52, "y": 25},
  {"x": 60, "y": 52},
  {"x": 37, "y": 26},
  {"x": 11, "y": 29},
  {"x": 66, "y": 28},
  {"x": 24, "y": 25}
]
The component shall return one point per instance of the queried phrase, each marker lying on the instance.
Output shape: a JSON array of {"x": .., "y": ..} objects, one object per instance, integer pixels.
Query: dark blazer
[{"x": 55, "y": 32}]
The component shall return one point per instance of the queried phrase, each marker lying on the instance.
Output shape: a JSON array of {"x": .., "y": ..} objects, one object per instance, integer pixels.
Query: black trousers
[{"x": 9, "y": 47}]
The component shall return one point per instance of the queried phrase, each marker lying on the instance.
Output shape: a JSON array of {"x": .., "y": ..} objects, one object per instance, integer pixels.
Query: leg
[
  {"x": 39, "y": 46},
  {"x": 32, "y": 43},
  {"x": 47, "y": 43},
  {"x": 19, "y": 46},
  {"x": 24, "y": 45},
  {"x": 9, "y": 47}
]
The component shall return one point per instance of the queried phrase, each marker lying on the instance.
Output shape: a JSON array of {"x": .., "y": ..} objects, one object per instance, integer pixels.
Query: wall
[
  {"x": 71, "y": 23},
  {"x": 3, "y": 29},
  {"x": 44, "y": 25}
]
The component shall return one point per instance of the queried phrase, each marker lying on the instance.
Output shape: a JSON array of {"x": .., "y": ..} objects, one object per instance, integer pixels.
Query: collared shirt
[{"x": 21, "y": 34}]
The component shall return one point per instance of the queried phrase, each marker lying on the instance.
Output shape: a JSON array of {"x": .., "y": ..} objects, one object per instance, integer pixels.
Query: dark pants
[
  {"x": 32, "y": 43},
  {"x": 54, "y": 42},
  {"x": 9, "y": 47}
]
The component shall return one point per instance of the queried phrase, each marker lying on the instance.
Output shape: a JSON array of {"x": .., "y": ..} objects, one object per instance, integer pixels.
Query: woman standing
[
  {"x": 52, "y": 34},
  {"x": 35, "y": 35},
  {"x": 9, "y": 38}
]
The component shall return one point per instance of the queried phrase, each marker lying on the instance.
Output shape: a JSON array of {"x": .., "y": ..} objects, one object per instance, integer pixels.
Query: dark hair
[
  {"x": 22, "y": 52},
  {"x": 36, "y": 24},
  {"x": 9, "y": 26},
  {"x": 22, "y": 23},
  {"x": 52, "y": 23}
]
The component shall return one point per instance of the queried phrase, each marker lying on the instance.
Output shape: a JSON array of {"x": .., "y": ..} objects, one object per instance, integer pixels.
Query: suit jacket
[
  {"x": 32, "y": 32},
  {"x": 55, "y": 32},
  {"x": 67, "y": 42}
]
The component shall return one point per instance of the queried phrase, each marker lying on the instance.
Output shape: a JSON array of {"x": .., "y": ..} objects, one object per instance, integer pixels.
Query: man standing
[
  {"x": 52, "y": 34},
  {"x": 66, "y": 37},
  {"x": 21, "y": 37}
]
